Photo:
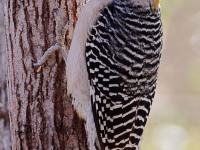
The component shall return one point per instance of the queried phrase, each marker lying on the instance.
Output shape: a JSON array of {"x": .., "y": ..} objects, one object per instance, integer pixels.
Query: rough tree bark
[{"x": 41, "y": 114}]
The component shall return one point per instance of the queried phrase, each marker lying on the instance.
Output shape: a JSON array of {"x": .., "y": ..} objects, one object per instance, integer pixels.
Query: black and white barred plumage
[{"x": 123, "y": 52}]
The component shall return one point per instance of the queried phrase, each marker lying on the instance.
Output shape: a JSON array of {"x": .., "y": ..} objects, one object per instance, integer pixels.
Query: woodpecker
[{"x": 112, "y": 68}]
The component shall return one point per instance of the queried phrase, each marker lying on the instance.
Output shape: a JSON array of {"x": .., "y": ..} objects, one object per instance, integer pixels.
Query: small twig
[
  {"x": 46, "y": 55},
  {"x": 60, "y": 45}
]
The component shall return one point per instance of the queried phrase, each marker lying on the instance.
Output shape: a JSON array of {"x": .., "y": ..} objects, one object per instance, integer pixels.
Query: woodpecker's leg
[{"x": 60, "y": 44}]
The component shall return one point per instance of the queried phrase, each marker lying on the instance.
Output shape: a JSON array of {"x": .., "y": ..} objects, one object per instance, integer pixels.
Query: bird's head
[{"x": 155, "y": 4}]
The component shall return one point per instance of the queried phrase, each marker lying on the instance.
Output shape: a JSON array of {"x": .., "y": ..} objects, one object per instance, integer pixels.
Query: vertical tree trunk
[{"x": 41, "y": 114}]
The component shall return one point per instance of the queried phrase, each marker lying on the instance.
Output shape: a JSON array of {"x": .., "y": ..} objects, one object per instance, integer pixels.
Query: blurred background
[
  {"x": 174, "y": 122},
  {"x": 4, "y": 117}
]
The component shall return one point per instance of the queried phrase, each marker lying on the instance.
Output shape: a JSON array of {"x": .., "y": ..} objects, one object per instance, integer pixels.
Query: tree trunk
[{"x": 41, "y": 114}]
